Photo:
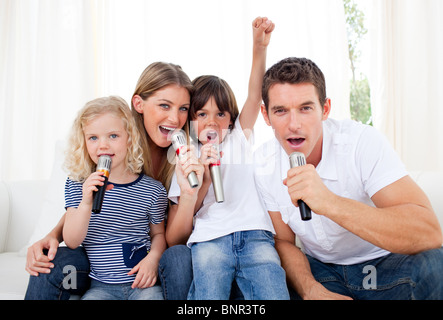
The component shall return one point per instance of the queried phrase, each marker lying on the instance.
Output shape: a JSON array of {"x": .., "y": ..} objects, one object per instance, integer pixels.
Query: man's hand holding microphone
[{"x": 305, "y": 187}]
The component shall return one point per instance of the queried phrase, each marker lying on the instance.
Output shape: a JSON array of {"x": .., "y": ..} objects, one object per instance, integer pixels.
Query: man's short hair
[{"x": 294, "y": 71}]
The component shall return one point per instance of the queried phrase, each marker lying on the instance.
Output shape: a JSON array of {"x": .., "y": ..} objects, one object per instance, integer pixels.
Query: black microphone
[
  {"x": 214, "y": 169},
  {"x": 178, "y": 141},
  {"x": 103, "y": 165},
  {"x": 297, "y": 159}
]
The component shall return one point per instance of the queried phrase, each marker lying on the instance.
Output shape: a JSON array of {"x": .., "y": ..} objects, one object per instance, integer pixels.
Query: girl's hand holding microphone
[{"x": 90, "y": 186}]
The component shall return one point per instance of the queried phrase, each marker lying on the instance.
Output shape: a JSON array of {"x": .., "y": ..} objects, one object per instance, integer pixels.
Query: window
[{"x": 360, "y": 102}]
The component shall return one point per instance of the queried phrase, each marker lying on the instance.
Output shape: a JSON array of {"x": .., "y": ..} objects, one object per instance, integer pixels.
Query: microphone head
[
  {"x": 178, "y": 140},
  {"x": 104, "y": 164},
  {"x": 297, "y": 159}
]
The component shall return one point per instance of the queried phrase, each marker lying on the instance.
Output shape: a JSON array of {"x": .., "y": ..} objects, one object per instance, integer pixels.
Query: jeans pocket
[
  {"x": 268, "y": 235},
  {"x": 133, "y": 253}
]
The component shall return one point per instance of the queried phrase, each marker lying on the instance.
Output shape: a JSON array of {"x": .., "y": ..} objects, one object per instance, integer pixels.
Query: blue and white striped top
[{"x": 118, "y": 237}]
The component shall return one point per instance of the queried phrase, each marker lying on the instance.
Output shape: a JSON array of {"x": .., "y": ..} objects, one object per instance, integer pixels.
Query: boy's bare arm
[{"x": 262, "y": 29}]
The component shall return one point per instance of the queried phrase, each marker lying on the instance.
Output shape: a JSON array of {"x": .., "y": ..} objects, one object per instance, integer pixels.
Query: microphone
[
  {"x": 214, "y": 169},
  {"x": 297, "y": 159},
  {"x": 103, "y": 165},
  {"x": 178, "y": 141}
]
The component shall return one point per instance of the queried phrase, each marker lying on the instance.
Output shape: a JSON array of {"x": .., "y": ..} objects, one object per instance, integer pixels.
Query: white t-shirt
[
  {"x": 357, "y": 161},
  {"x": 242, "y": 209}
]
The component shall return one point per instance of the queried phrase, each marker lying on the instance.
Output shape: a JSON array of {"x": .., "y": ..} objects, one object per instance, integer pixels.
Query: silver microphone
[
  {"x": 297, "y": 159},
  {"x": 214, "y": 169},
  {"x": 178, "y": 141},
  {"x": 103, "y": 165}
]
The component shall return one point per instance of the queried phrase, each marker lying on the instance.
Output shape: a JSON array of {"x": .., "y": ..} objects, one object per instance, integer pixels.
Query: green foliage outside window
[{"x": 360, "y": 102}]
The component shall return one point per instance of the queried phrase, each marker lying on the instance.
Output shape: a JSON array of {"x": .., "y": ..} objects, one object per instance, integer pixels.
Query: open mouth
[
  {"x": 166, "y": 130},
  {"x": 211, "y": 135},
  {"x": 208, "y": 135},
  {"x": 296, "y": 142}
]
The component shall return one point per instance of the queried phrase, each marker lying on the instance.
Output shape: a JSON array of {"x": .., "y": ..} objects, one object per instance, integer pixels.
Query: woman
[{"x": 159, "y": 104}]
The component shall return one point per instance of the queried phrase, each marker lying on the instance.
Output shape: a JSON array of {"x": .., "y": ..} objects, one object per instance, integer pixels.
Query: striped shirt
[{"x": 118, "y": 237}]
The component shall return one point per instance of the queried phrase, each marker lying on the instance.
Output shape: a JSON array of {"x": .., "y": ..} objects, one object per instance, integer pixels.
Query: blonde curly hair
[{"x": 77, "y": 160}]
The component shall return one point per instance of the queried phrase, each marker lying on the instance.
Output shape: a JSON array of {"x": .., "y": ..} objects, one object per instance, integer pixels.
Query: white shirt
[
  {"x": 357, "y": 161},
  {"x": 242, "y": 209}
]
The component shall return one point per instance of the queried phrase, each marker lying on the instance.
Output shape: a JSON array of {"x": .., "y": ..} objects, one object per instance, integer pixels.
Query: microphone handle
[
  {"x": 305, "y": 211},
  {"x": 217, "y": 183},
  {"x": 178, "y": 141},
  {"x": 98, "y": 197},
  {"x": 192, "y": 179},
  {"x": 298, "y": 159}
]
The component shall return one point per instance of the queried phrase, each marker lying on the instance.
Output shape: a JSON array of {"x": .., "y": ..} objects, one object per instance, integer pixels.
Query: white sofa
[
  {"x": 20, "y": 207},
  {"x": 29, "y": 209}
]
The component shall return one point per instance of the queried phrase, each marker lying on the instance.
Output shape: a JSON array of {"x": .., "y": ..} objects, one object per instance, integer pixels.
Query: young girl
[
  {"x": 233, "y": 239},
  {"x": 124, "y": 242}
]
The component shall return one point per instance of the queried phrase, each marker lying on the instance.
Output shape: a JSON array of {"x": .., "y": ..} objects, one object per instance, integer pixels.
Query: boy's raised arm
[{"x": 261, "y": 31}]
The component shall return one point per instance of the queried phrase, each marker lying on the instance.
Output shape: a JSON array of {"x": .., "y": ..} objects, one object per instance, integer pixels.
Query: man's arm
[
  {"x": 296, "y": 265},
  {"x": 403, "y": 220}
]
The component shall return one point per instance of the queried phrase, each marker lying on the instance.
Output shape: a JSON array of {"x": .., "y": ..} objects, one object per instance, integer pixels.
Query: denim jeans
[
  {"x": 69, "y": 276},
  {"x": 392, "y": 277},
  {"x": 105, "y": 291},
  {"x": 249, "y": 257},
  {"x": 175, "y": 274}
]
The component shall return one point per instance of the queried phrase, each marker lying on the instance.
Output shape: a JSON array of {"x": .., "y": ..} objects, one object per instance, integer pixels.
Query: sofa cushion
[
  {"x": 26, "y": 199},
  {"x": 54, "y": 199}
]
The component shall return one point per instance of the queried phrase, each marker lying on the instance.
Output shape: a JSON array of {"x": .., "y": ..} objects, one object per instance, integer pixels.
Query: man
[{"x": 373, "y": 232}]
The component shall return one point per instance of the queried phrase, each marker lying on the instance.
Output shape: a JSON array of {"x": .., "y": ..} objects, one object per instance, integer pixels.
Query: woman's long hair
[{"x": 155, "y": 77}]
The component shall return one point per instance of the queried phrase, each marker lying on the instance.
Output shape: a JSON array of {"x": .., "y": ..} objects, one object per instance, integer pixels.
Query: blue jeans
[
  {"x": 70, "y": 275},
  {"x": 175, "y": 274},
  {"x": 392, "y": 277},
  {"x": 105, "y": 291},
  {"x": 249, "y": 257}
]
